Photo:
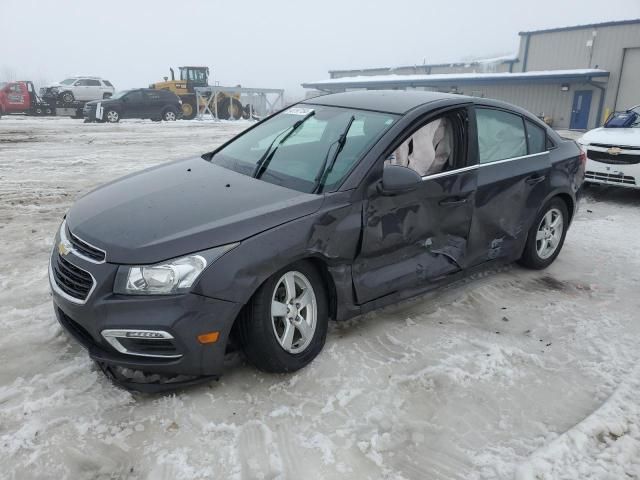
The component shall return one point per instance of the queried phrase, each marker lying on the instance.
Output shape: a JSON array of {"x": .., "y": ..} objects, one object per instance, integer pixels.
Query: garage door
[{"x": 629, "y": 90}]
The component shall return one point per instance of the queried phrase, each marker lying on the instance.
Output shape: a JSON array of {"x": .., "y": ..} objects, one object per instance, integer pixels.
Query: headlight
[{"x": 166, "y": 278}]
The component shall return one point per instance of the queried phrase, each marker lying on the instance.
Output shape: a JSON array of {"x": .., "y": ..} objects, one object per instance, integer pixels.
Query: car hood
[
  {"x": 179, "y": 208},
  {"x": 618, "y": 137},
  {"x": 56, "y": 85}
]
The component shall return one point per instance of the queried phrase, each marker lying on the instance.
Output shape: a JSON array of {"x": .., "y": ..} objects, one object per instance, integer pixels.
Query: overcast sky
[{"x": 268, "y": 43}]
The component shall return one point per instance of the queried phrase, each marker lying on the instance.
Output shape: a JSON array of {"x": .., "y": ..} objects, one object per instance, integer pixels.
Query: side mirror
[{"x": 398, "y": 179}]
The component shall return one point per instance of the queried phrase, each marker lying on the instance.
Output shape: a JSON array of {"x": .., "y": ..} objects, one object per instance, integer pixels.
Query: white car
[
  {"x": 613, "y": 151},
  {"x": 80, "y": 88}
]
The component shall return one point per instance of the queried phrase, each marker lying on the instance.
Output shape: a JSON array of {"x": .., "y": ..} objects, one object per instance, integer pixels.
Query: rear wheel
[
  {"x": 169, "y": 115},
  {"x": 223, "y": 108},
  {"x": 546, "y": 235},
  {"x": 112, "y": 116},
  {"x": 284, "y": 326}
]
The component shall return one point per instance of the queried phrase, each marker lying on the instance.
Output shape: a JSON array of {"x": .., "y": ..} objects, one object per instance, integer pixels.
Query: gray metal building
[{"x": 574, "y": 77}]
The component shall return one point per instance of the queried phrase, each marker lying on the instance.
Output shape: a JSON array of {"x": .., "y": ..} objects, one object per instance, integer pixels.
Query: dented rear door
[{"x": 513, "y": 181}]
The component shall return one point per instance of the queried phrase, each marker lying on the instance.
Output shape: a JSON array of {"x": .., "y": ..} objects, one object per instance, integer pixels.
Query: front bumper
[
  {"x": 621, "y": 170},
  {"x": 183, "y": 317}
]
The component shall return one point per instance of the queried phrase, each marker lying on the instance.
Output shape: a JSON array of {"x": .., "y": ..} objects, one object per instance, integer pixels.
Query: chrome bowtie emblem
[
  {"x": 64, "y": 248},
  {"x": 614, "y": 151}
]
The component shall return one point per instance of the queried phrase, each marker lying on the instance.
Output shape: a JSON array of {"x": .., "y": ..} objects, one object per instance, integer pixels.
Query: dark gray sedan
[{"x": 331, "y": 208}]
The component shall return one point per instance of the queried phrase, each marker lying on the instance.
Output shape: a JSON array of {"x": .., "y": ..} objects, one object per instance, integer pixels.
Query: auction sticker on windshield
[{"x": 299, "y": 111}]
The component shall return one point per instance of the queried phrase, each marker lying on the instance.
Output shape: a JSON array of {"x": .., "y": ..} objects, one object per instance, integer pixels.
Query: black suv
[{"x": 138, "y": 103}]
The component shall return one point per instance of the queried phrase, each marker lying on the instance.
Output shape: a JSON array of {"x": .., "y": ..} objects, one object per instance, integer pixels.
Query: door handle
[
  {"x": 452, "y": 202},
  {"x": 534, "y": 179}
]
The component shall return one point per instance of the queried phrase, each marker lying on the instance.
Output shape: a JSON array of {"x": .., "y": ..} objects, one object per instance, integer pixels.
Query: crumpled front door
[{"x": 415, "y": 237}]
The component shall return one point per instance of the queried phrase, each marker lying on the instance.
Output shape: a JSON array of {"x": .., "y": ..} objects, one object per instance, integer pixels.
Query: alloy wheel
[
  {"x": 549, "y": 233},
  {"x": 112, "y": 116},
  {"x": 294, "y": 312},
  {"x": 169, "y": 116}
]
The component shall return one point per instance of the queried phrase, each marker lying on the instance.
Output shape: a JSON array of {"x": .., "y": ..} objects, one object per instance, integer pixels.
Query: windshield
[
  {"x": 627, "y": 119},
  {"x": 120, "y": 94},
  {"x": 68, "y": 81},
  {"x": 297, "y": 158}
]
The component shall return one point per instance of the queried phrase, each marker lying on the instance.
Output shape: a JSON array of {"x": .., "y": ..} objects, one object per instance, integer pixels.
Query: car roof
[
  {"x": 402, "y": 101},
  {"x": 390, "y": 101}
]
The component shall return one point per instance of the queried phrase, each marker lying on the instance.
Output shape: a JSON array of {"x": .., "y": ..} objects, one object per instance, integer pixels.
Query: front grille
[
  {"x": 72, "y": 280},
  {"x": 610, "y": 178},
  {"x": 620, "y": 159},
  {"x": 624, "y": 147},
  {"x": 86, "y": 250}
]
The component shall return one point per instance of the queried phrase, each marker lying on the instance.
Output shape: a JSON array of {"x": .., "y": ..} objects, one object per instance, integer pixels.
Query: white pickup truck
[{"x": 613, "y": 151}]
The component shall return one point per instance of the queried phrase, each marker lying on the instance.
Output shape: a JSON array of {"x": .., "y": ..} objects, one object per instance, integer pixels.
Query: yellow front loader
[{"x": 229, "y": 106}]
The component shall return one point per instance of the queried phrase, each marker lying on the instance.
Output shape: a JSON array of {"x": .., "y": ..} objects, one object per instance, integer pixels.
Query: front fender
[{"x": 330, "y": 235}]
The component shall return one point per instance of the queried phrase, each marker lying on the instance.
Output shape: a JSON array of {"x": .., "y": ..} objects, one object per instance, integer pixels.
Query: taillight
[
  {"x": 583, "y": 157},
  {"x": 583, "y": 153}
]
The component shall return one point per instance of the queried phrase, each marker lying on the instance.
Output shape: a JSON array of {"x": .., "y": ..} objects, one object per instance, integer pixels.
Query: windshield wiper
[
  {"x": 325, "y": 170},
  {"x": 263, "y": 163}
]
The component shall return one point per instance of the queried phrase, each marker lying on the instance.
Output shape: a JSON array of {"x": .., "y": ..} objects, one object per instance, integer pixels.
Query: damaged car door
[
  {"x": 513, "y": 181},
  {"x": 413, "y": 237}
]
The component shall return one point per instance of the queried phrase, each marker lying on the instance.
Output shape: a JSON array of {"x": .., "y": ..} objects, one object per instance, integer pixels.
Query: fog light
[
  {"x": 143, "y": 343},
  {"x": 145, "y": 335},
  {"x": 211, "y": 337}
]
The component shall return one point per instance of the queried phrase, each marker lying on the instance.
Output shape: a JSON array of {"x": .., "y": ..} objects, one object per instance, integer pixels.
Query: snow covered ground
[{"x": 511, "y": 374}]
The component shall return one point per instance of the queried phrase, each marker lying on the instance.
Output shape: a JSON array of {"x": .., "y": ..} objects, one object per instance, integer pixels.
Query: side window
[
  {"x": 536, "y": 138},
  {"x": 550, "y": 144},
  {"x": 92, "y": 83},
  {"x": 107, "y": 83},
  {"x": 501, "y": 135},
  {"x": 135, "y": 96},
  {"x": 433, "y": 148}
]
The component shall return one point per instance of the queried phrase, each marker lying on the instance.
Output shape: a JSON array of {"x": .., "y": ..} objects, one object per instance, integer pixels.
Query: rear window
[
  {"x": 107, "y": 83},
  {"x": 501, "y": 135},
  {"x": 536, "y": 138}
]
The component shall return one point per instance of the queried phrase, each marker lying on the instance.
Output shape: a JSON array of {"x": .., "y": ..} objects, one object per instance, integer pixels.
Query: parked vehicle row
[
  {"x": 328, "y": 209},
  {"x": 69, "y": 96},
  {"x": 93, "y": 98}
]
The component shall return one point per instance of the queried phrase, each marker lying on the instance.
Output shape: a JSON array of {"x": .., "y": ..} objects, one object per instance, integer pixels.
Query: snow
[
  {"x": 474, "y": 61},
  {"x": 395, "y": 78},
  {"x": 509, "y": 374}
]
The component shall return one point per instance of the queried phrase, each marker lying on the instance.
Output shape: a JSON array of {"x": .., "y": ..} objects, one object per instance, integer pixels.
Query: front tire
[
  {"x": 189, "y": 110},
  {"x": 169, "y": 116},
  {"x": 546, "y": 236},
  {"x": 284, "y": 326},
  {"x": 67, "y": 97},
  {"x": 112, "y": 116}
]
